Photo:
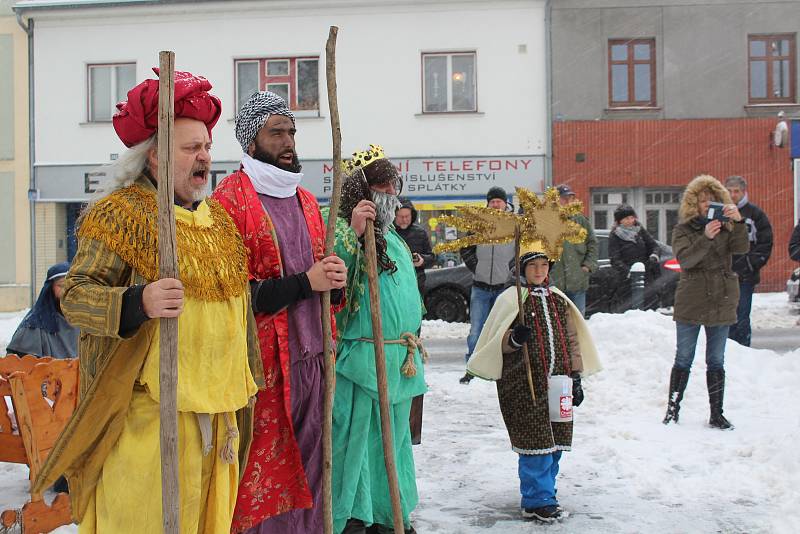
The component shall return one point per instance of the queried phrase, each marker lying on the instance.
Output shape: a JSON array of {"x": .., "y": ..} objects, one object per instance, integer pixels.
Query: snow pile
[
  {"x": 8, "y": 325},
  {"x": 439, "y": 329}
]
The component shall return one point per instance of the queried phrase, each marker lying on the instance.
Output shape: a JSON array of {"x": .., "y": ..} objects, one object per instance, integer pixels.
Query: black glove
[
  {"x": 519, "y": 335},
  {"x": 577, "y": 390}
]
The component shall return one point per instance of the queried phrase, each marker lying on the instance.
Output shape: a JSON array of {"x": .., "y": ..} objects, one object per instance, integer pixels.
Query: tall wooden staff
[
  {"x": 330, "y": 239},
  {"x": 371, "y": 253},
  {"x": 168, "y": 268},
  {"x": 522, "y": 312}
]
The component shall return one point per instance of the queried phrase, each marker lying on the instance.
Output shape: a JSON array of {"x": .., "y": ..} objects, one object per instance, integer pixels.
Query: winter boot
[
  {"x": 715, "y": 380},
  {"x": 678, "y": 379},
  {"x": 466, "y": 379},
  {"x": 354, "y": 526},
  {"x": 545, "y": 514}
]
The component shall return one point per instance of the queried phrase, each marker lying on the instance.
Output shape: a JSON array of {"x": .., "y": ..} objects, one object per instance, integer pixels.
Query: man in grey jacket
[{"x": 490, "y": 266}]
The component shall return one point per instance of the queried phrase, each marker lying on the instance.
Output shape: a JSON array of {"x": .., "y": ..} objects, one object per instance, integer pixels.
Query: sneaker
[
  {"x": 545, "y": 514},
  {"x": 466, "y": 378}
]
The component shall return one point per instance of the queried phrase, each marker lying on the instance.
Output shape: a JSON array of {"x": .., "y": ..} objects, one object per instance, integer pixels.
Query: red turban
[{"x": 137, "y": 119}]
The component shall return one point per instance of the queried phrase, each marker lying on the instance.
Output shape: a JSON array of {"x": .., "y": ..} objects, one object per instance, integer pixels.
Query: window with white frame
[
  {"x": 661, "y": 212},
  {"x": 295, "y": 79},
  {"x": 657, "y": 209},
  {"x": 449, "y": 82},
  {"x": 603, "y": 205},
  {"x": 108, "y": 84}
]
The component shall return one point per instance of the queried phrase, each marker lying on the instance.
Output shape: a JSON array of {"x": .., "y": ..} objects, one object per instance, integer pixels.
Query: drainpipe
[
  {"x": 548, "y": 52},
  {"x": 32, "y": 193}
]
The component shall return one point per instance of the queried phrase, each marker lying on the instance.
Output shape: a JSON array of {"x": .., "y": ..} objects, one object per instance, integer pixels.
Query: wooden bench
[{"x": 43, "y": 393}]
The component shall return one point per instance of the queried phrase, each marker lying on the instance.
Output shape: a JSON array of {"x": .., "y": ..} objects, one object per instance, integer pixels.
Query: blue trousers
[
  {"x": 740, "y": 332},
  {"x": 480, "y": 304},
  {"x": 537, "y": 479},
  {"x": 716, "y": 336},
  {"x": 578, "y": 298}
]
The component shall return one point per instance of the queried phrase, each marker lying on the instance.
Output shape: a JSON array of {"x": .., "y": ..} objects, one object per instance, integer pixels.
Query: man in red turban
[{"x": 109, "y": 451}]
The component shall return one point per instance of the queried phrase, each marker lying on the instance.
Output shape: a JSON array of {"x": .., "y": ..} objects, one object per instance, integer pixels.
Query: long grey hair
[{"x": 122, "y": 172}]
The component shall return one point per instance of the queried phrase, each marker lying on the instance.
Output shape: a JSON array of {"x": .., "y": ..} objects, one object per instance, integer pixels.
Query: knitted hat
[
  {"x": 622, "y": 211},
  {"x": 496, "y": 192},
  {"x": 530, "y": 252}
]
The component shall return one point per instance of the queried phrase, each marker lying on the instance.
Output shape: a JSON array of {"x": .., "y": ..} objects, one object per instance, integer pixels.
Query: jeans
[
  {"x": 578, "y": 298},
  {"x": 537, "y": 479},
  {"x": 480, "y": 304},
  {"x": 740, "y": 332},
  {"x": 716, "y": 336}
]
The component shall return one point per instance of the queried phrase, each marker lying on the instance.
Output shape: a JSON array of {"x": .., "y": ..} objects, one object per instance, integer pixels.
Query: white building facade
[{"x": 455, "y": 91}]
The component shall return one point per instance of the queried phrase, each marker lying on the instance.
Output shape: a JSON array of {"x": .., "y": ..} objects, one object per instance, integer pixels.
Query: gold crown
[
  {"x": 532, "y": 247},
  {"x": 543, "y": 224},
  {"x": 363, "y": 158}
]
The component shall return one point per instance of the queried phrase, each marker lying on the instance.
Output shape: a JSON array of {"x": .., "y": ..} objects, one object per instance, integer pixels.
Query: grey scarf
[{"x": 627, "y": 233}]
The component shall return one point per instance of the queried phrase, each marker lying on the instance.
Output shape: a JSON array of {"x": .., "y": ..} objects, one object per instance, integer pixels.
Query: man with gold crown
[
  {"x": 360, "y": 488},
  {"x": 110, "y": 449},
  {"x": 283, "y": 230},
  {"x": 536, "y": 396}
]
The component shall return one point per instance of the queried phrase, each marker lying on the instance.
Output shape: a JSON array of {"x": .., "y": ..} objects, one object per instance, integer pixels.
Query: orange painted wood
[{"x": 44, "y": 393}]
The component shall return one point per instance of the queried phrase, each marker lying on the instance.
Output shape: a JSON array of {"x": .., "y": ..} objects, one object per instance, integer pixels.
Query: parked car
[{"x": 447, "y": 289}]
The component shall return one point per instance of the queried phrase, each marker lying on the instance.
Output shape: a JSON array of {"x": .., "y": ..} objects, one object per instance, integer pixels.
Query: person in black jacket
[
  {"x": 629, "y": 242},
  {"x": 794, "y": 243},
  {"x": 415, "y": 236},
  {"x": 747, "y": 266}
]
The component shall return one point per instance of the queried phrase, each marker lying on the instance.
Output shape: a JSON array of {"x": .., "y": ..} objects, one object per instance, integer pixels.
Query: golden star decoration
[{"x": 542, "y": 219}]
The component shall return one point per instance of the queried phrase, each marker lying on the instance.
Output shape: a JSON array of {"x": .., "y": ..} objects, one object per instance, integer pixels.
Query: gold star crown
[
  {"x": 363, "y": 158},
  {"x": 543, "y": 223}
]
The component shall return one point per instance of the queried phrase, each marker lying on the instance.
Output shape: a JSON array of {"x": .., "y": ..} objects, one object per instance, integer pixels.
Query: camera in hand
[{"x": 716, "y": 212}]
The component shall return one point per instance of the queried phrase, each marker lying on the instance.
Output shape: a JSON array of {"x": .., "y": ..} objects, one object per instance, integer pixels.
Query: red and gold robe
[{"x": 274, "y": 480}]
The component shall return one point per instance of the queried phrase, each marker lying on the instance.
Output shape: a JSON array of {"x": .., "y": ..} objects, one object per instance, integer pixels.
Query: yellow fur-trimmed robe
[{"x": 219, "y": 362}]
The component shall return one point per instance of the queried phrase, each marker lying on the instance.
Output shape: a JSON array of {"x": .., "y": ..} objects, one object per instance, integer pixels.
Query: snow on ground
[
  {"x": 8, "y": 325},
  {"x": 772, "y": 310},
  {"x": 439, "y": 329},
  {"x": 628, "y": 473}
]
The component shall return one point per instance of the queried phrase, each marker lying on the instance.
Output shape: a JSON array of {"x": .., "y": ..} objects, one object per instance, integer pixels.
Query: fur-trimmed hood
[{"x": 689, "y": 203}]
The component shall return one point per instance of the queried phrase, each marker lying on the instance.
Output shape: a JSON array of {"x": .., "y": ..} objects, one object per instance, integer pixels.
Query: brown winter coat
[{"x": 708, "y": 289}]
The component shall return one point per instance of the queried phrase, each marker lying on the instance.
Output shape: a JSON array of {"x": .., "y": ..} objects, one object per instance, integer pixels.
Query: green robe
[{"x": 360, "y": 487}]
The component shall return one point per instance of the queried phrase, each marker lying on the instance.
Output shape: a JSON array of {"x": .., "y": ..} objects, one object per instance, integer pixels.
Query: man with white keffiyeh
[{"x": 283, "y": 230}]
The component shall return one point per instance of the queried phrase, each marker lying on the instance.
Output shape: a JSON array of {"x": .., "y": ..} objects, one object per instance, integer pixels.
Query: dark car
[{"x": 447, "y": 290}]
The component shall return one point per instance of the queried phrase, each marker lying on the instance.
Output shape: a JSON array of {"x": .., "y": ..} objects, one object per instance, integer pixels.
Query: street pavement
[{"x": 780, "y": 340}]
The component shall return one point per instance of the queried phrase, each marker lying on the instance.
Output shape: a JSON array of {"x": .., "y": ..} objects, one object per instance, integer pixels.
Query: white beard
[{"x": 385, "y": 206}]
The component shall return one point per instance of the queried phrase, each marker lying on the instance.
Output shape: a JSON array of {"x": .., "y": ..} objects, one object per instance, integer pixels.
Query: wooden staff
[
  {"x": 168, "y": 268},
  {"x": 370, "y": 251},
  {"x": 522, "y": 313},
  {"x": 330, "y": 239}
]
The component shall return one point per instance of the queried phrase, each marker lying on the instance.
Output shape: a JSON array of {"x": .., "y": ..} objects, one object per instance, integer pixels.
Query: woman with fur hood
[{"x": 708, "y": 290}]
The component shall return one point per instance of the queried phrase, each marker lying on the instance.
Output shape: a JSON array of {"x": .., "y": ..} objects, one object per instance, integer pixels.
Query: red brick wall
[{"x": 653, "y": 153}]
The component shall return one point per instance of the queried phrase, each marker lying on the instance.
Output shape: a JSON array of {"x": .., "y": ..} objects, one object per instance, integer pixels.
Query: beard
[
  {"x": 385, "y": 206},
  {"x": 264, "y": 156}
]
